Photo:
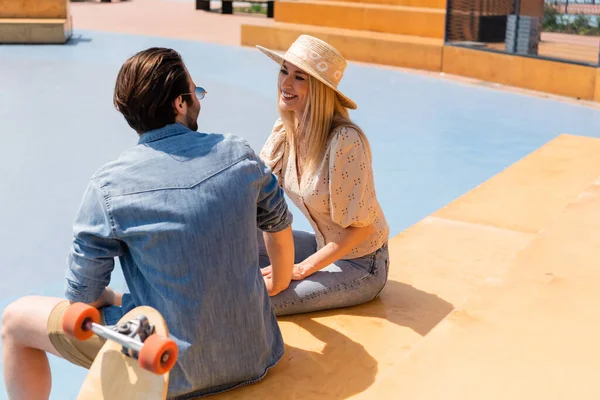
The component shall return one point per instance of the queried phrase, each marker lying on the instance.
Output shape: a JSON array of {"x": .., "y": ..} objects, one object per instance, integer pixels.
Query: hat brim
[{"x": 279, "y": 59}]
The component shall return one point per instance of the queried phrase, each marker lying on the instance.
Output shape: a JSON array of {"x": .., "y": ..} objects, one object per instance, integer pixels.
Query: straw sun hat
[{"x": 316, "y": 58}]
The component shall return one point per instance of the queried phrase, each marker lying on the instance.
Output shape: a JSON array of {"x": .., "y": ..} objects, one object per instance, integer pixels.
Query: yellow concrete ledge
[
  {"x": 391, "y": 347},
  {"x": 597, "y": 95},
  {"x": 425, "y": 22},
  {"x": 342, "y": 353},
  {"x": 407, "y": 3},
  {"x": 53, "y": 9},
  {"x": 559, "y": 78},
  {"x": 372, "y": 47},
  {"x": 543, "y": 75},
  {"x": 531, "y": 335},
  {"x": 528, "y": 195},
  {"x": 35, "y": 30}
]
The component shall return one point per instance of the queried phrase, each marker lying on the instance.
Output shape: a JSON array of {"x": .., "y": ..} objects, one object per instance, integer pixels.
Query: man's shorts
[{"x": 78, "y": 352}]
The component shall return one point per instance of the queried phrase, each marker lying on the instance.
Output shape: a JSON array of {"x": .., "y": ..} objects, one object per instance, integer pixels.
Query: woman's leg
[{"x": 342, "y": 284}]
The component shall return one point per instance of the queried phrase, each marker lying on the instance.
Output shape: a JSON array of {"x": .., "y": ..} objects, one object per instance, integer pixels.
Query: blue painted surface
[{"x": 433, "y": 140}]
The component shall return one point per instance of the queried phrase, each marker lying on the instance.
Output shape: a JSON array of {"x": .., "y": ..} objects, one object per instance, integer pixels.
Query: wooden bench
[
  {"x": 35, "y": 21},
  {"x": 227, "y": 7}
]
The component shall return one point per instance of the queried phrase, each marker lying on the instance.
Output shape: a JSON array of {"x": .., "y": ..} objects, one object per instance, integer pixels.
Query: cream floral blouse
[{"x": 339, "y": 195}]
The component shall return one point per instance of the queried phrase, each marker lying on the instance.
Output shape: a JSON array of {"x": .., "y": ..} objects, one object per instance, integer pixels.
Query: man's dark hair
[{"x": 146, "y": 86}]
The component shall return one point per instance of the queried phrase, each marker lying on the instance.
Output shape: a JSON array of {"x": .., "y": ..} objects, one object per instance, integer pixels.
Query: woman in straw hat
[{"x": 323, "y": 162}]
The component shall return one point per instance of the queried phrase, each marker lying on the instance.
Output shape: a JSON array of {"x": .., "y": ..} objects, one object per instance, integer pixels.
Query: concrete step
[
  {"x": 408, "y": 3},
  {"x": 575, "y": 52},
  {"x": 416, "y": 21},
  {"x": 372, "y": 47},
  {"x": 15, "y": 30},
  {"x": 531, "y": 334},
  {"x": 556, "y": 77},
  {"x": 597, "y": 86},
  {"x": 52, "y": 9}
]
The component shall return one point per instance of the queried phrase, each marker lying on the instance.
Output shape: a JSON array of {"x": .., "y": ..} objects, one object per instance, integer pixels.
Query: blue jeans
[{"x": 342, "y": 284}]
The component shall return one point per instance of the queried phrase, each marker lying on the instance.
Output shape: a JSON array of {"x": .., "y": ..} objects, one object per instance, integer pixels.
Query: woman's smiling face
[{"x": 293, "y": 88}]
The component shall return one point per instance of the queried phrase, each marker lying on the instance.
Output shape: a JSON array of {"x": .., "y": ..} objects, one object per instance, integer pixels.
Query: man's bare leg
[{"x": 24, "y": 345}]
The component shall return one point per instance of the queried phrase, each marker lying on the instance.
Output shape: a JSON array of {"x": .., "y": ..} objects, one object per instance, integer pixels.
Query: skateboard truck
[
  {"x": 131, "y": 334},
  {"x": 136, "y": 336}
]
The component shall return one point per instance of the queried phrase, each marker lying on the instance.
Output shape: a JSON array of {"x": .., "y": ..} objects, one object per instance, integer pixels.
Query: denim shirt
[{"x": 180, "y": 210}]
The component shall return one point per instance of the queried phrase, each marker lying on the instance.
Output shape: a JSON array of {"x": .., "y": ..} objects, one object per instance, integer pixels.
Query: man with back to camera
[{"x": 180, "y": 210}]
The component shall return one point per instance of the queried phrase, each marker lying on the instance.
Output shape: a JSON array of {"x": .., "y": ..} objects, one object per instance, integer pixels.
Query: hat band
[{"x": 328, "y": 71}]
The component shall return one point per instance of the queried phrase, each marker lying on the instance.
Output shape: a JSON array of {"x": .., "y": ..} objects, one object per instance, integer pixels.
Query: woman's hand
[
  {"x": 266, "y": 271},
  {"x": 299, "y": 272},
  {"x": 327, "y": 255},
  {"x": 334, "y": 250}
]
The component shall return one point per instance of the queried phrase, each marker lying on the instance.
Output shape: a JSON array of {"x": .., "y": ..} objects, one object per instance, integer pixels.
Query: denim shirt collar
[{"x": 164, "y": 132}]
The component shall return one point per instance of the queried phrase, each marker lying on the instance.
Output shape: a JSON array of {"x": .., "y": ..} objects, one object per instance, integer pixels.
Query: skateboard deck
[{"x": 115, "y": 375}]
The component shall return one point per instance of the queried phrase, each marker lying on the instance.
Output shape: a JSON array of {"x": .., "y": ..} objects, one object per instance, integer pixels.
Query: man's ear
[{"x": 178, "y": 105}]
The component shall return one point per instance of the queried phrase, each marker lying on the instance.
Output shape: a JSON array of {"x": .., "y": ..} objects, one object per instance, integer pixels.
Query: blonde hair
[{"x": 323, "y": 113}]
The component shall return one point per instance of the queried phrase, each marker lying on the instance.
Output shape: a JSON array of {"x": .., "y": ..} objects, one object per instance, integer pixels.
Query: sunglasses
[{"x": 200, "y": 92}]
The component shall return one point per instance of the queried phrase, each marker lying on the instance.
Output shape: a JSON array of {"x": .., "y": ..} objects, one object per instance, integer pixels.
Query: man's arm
[
  {"x": 108, "y": 298},
  {"x": 275, "y": 220},
  {"x": 280, "y": 248},
  {"x": 91, "y": 259}
]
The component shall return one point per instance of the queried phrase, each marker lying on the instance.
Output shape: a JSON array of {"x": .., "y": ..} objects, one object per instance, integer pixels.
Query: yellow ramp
[
  {"x": 437, "y": 267},
  {"x": 532, "y": 334},
  {"x": 527, "y": 196}
]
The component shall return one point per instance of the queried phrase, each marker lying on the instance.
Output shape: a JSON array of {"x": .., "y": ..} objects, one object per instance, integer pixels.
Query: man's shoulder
[
  {"x": 234, "y": 140},
  {"x": 219, "y": 151},
  {"x": 107, "y": 171},
  {"x": 236, "y": 147}
]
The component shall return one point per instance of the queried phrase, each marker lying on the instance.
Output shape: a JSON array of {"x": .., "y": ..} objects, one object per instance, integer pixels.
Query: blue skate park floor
[{"x": 433, "y": 139}]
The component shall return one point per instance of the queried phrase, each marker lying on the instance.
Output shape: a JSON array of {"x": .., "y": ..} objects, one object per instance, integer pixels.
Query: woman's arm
[
  {"x": 332, "y": 251},
  {"x": 350, "y": 187}
]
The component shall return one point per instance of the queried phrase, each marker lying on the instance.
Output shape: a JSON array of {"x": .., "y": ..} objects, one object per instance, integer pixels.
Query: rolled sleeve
[
  {"x": 91, "y": 258},
  {"x": 273, "y": 214}
]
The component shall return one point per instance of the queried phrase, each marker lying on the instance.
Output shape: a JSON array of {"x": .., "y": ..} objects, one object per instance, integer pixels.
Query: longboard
[{"x": 135, "y": 360}]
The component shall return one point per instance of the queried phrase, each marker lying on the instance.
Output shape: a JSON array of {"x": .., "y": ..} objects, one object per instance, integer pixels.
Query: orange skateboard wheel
[
  {"x": 158, "y": 354},
  {"x": 75, "y": 319}
]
